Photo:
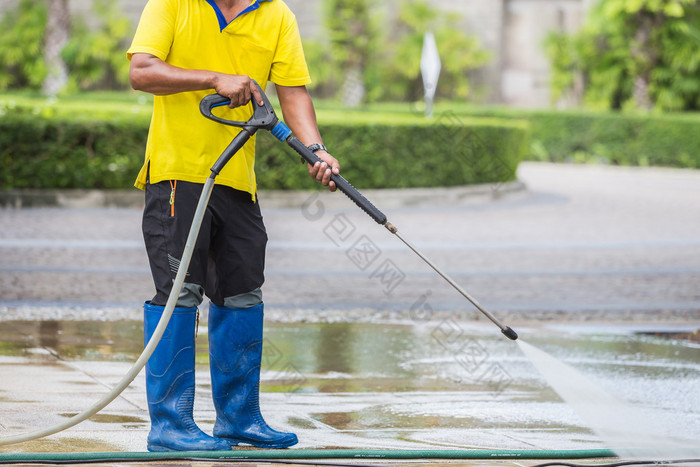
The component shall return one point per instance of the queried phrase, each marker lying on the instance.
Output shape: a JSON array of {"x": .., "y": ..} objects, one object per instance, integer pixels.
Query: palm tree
[{"x": 57, "y": 34}]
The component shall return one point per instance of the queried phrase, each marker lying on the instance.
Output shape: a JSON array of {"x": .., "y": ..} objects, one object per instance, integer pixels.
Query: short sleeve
[
  {"x": 154, "y": 34},
  {"x": 288, "y": 63}
]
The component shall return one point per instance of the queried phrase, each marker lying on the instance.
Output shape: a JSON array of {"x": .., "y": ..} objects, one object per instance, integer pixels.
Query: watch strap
[{"x": 317, "y": 147}]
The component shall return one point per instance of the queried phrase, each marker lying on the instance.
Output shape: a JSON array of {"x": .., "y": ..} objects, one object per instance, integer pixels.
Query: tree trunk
[
  {"x": 353, "y": 88},
  {"x": 57, "y": 33},
  {"x": 645, "y": 56},
  {"x": 349, "y": 25},
  {"x": 641, "y": 93}
]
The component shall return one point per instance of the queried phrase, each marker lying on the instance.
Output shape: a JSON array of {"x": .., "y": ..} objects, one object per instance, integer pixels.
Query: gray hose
[{"x": 152, "y": 343}]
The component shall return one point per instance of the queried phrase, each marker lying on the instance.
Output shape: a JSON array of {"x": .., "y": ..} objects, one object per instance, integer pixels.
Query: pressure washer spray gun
[{"x": 264, "y": 117}]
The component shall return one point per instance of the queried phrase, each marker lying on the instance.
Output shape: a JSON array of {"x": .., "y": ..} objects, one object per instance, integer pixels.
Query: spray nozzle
[{"x": 509, "y": 333}]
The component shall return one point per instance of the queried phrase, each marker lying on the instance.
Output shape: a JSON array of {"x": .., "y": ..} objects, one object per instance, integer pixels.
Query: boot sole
[
  {"x": 155, "y": 448},
  {"x": 257, "y": 444}
]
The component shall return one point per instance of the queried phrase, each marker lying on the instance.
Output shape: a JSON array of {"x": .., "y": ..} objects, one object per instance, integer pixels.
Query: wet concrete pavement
[
  {"x": 368, "y": 348},
  {"x": 359, "y": 385}
]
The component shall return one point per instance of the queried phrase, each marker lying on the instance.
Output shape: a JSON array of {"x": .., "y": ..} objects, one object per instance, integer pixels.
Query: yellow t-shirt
[{"x": 263, "y": 42}]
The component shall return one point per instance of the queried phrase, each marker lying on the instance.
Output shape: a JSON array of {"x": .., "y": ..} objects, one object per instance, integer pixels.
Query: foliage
[
  {"x": 389, "y": 51},
  {"x": 39, "y": 152},
  {"x": 21, "y": 46},
  {"x": 350, "y": 31},
  {"x": 632, "y": 54},
  {"x": 69, "y": 148},
  {"x": 387, "y": 155},
  {"x": 459, "y": 53},
  {"x": 324, "y": 78},
  {"x": 95, "y": 56},
  {"x": 353, "y": 36},
  {"x": 619, "y": 139},
  {"x": 649, "y": 139}
]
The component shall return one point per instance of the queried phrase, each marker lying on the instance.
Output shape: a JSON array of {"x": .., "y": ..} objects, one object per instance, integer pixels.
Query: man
[{"x": 182, "y": 51}]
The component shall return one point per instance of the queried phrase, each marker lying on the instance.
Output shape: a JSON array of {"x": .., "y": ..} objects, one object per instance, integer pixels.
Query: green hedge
[
  {"x": 660, "y": 140},
  {"x": 40, "y": 152},
  {"x": 59, "y": 151},
  {"x": 671, "y": 140}
]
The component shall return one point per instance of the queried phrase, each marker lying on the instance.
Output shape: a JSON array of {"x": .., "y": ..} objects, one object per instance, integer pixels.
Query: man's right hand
[
  {"x": 238, "y": 88},
  {"x": 149, "y": 73}
]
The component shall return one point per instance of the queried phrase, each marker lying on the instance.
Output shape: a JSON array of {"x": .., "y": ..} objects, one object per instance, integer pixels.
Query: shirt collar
[{"x": 220, "y": 16}]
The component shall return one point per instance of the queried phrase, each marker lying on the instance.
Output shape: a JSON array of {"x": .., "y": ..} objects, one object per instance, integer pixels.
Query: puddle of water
[
  {"x": 341, "y": 420},
  {"x": 61, "y": 445},
  {"x": 434, "y": 375},
  {"x": 691, "y": 336},
  {"x": 110, "y": 418},
  {"x": 301, "y": 423},
  {"x": 73, "y": 340}
]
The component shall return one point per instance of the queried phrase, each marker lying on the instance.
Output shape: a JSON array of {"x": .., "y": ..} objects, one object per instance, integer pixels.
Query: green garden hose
[{"x": 299, "y": 454}]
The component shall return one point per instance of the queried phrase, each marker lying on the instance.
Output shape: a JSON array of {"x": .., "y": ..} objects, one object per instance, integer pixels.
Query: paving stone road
[{"x": 591, "y": 243}]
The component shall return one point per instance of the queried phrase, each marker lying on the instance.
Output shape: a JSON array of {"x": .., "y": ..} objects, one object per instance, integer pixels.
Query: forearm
[
  {"x": 150, "y": 74},
  {"x": 299, "y": 114}
]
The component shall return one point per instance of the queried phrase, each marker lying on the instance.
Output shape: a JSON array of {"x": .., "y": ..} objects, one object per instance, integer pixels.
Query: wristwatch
[{"x": 316, "y": 147}]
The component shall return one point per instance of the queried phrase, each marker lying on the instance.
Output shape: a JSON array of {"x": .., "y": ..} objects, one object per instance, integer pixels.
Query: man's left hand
[{"x": 322, "y": 171}]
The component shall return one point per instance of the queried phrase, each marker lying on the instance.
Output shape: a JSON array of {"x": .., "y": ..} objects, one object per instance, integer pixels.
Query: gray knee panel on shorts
[
  {"x": 244, "y": 300},
  {"x": 190, "y": 295}
]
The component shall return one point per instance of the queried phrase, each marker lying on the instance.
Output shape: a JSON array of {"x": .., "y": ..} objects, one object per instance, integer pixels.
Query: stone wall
[{"x": 525, "y": 69}]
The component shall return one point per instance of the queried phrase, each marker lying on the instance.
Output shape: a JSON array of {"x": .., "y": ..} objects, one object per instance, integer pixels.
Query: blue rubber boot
[
  {"x": 235, "y": 353},
  {"x": 170, "y": 385}
]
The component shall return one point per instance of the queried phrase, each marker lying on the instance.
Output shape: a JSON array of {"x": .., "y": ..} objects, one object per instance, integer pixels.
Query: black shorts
[{"x": 229, "y": 256}]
